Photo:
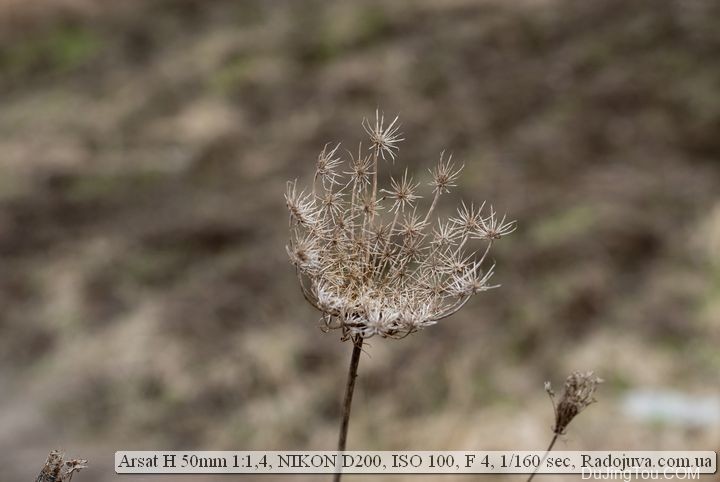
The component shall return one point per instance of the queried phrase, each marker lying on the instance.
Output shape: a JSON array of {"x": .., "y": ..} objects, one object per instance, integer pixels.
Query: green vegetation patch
[{"x": 59, "y": 50}]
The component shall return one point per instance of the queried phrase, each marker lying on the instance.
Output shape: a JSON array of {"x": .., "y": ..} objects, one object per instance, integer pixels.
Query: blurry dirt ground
[{"x": 146, "y": 299}]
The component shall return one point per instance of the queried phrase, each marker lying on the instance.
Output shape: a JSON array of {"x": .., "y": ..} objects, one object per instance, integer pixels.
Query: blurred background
[{"x": 146, "y": 299}]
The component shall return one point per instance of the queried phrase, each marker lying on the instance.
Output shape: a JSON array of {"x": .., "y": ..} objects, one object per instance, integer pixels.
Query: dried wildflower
[
  {"x": 384, "y": 139},
  {"x": 445, "y": 234},
  {"x": 472, "y": 282},
  {"x": 444, "y": 174},
  {"x": 468, "y": 219},
  {"x": 579, "y": 393},
  {"x": 494, "y": 228},
  {"x": 57, "y": 469},
  {"x": 402, "y": 192},
  {"x": 412, "y": 227},
  {"x": 326, "y": 165},
  {"x": 370, "y": 206},
  {"x": 383, "y": 265},
  {"x": 579, "y": 390},
  {"x": 301, "y": 206},
  {"x": 361, "y": 170},
  {"x": 331, "y": 202}
]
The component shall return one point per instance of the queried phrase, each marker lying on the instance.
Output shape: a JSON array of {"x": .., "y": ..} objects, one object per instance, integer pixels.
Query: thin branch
[
  {"x": 347, "y": 403},
  {"x": 547, "y": 452}
]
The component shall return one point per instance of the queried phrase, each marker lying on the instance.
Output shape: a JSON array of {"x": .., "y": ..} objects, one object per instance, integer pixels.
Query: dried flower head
[
  {"x": 374, "y": 262},
  {"x": 57, "y": 469},
  {"x": 326, "y": 165},
  {"x": 579, "y": 393},
  {"x": 444, "y": 174},
  {"x": 383, "y": 139}
]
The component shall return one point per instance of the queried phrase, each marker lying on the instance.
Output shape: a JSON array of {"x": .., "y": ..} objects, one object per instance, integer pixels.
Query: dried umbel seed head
[
  {"x": 579, "y": 393},
  {"x": 372, "y": 259},
  {"x": 57, "y": 469}
]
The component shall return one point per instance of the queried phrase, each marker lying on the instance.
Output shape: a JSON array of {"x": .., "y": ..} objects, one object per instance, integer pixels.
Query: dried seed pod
[
  {"x": 578, "y": 394},
  {"x": 372, "y": 260},
  {"x": 57, "y": 469}
]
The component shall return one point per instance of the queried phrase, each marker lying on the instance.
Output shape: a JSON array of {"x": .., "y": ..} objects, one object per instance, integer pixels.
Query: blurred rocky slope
[{"x": 144, "y": 148}]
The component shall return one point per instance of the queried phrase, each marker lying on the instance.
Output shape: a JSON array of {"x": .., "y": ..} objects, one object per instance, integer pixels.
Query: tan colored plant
[
  {"x": 371, "y": 260},
  {"x": 578, "y": 394},
  {"x": 57, "y": 469}
]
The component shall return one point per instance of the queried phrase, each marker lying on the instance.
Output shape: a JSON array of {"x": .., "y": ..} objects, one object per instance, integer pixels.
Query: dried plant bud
[
  {"x": 579, "y": 393},
  {"x": 304, "y": 254},
  {"x": 412, "y": 248},
  {"x": 326, "y": 165},
  {"x": 445, "y": 234},
  {"x": 57, "y": 469},
  {"x": 379, "y": 234},
  {"x": 331, "y": 202},
  {"x": 402, "y": 192},
  {"x": 493, "y": 228},
  {"x": 468, "y": 219},
  {"x": 412, "y": 226},
  {"x": 370, "y": 206},
  {"x": 549, "y": 390},
  {"x": 444, "y": 174},
  {"x": 361, "y": 170},
  {"x": 384, "y": 139},
  {"x": 472, "y": 281},
  {"x": 300, "y": 205},
  {"x": 457, "y": 263},
  {"x": 385, "y": 265}
]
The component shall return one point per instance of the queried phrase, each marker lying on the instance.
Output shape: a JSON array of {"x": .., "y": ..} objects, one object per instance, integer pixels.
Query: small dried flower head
[
  {"x": 413, "y": 226},
  {"x": 473, "y": 282},
  {"x": 370, "y": 206},
  {"x": 402, "y": 192},
  {"x": 384, "y": 139},
  {"x": 304, "y": 254},
  {"x": 444, "y": 234},
  {"x": 57, "y": 469},
  {"x": 361, "y": 170},
  {"x": 492, "y": 227},
  {"x": 327, "y": 164},
  {"x": 379, "y": 233},
  {"x": 376, "y": 261},
  {"x": 331, "y": 202},
  {"x": 301, "y": 205},
  {"x": 578, "y": 394},
  {"x": 444, "y": 174},
  {"x": 469, "y": 219}
]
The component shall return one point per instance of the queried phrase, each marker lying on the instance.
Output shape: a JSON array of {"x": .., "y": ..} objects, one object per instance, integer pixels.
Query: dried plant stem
[
  {"x": 347, "y": 403},
  {"x": 547, "y": 452}
]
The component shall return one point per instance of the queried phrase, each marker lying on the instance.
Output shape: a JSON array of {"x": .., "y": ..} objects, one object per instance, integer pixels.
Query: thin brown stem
[
  {"x": 432, "y": 206},
  {"x": 547, "y": 452},
  {"x": 347, "y": 403},
  {"x": 375, "y": 174}
]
